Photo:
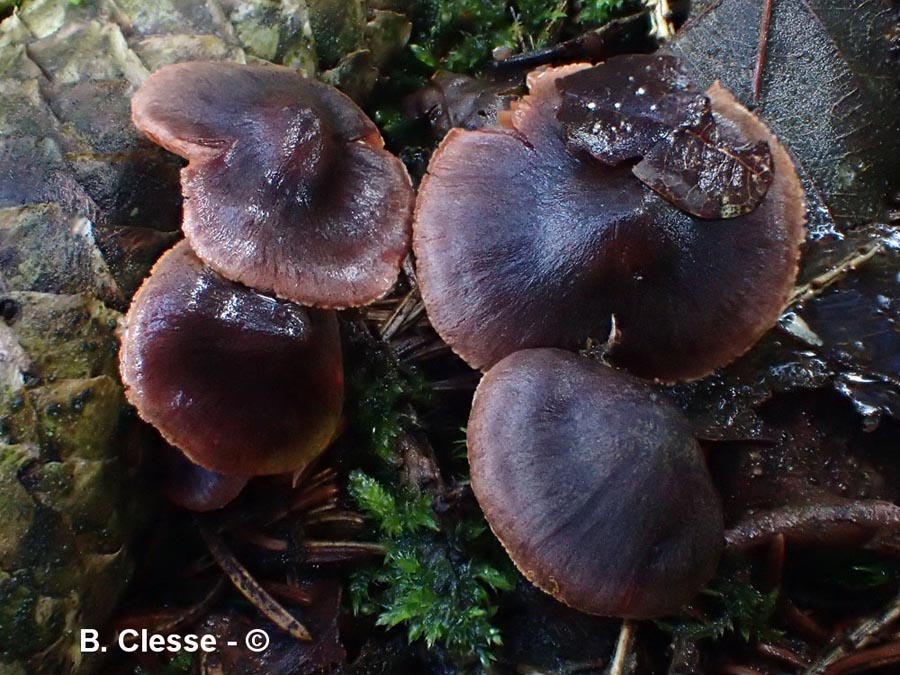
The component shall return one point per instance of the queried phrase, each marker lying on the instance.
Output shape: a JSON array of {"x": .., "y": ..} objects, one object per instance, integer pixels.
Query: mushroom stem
[{"x": 623, "y": 662}]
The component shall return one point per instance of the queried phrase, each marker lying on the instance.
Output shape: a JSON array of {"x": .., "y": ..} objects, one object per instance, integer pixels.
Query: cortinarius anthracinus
[
  {"x": 241, "y": 382},
  {"x": 594, "y": 484},
  {"x": 546, "y": 230},
  {"x": 288, "y": 188}
]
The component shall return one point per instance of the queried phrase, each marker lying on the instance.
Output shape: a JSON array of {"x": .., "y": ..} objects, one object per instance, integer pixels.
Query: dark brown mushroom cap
[
  {"x": 289, "y": 189},
  {"x": 594, "y": 485},
  {"x": 192, "y": 487},
  {"x": 242, "y": 383},
  {"x": 522, "y": 242}
]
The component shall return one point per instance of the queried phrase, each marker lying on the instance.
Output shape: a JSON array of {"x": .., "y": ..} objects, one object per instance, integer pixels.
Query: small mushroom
[
  {"x": 594, "y": 484},
  {"x": 241, "y": 382},
  {"x": 288, "y": 188},
  {"x": 192, "y": 487},
  {"x": 525, "y": 240}
]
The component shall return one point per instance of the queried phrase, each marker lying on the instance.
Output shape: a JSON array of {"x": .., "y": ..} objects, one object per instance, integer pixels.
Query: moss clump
[
  {"x": 732, "y": 606},
  {"x": 429, "y": 582},
  {"x": 380, "y": 394},
  {"x": 460, "y": 35}
]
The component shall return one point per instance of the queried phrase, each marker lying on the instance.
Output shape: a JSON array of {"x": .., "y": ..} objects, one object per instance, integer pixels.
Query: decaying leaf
[
  {"x": 828, "y": 87},
  {"x": 821, "y": 481},
  {"x": 644, "y": 107},
  {"x": 620, "y": 109},
  {"x": 284, "y": 654},
  {"x": 700, "y": 172}
]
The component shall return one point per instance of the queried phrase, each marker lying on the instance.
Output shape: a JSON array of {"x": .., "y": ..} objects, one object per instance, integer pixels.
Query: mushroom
[
  {"x": 288, "y": 188},
  {"x": 525, "y": 238},
  {"x": 241, "y": 382},
  {"x": 192, "y": 487},
  {"x": 594, "y": 484}
]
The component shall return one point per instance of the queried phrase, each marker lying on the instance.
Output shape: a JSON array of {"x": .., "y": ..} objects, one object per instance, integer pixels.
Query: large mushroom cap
[
  {"x": 242, "y": 383},
  {"x": 523, "y": 240},
  {"x": 594, "y": 485},
  {"x": 289, "y": 189}
]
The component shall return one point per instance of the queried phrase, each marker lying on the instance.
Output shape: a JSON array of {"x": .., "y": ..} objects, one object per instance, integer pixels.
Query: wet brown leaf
[{"x": 699, "y": 172}]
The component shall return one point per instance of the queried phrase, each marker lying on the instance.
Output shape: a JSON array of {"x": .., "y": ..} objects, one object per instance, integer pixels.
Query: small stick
[
  {"x": 802, "y": 623},
  {"x": 815, "y": 287},
  {"x": 250, "y": 588},
  {"x": 761, "y": 51},
  {"x": 781, "y": 654},
  {"x": 860, "y": 637},
  {"x": 867, "y": 659},
  {"x": 288, "y": 592},
  {"x": 408, "y": 310},
  {"x": 317, "y": 552},
  {"x": 621, "y": 663}
]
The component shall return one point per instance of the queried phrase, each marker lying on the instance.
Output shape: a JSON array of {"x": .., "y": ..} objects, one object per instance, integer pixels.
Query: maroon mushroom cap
[
  {"x": 288, "y": 189},
  {"x": 241, "y": 382},
  {"x": 192, "y": 487},
  {"x": 524, "y": 239},
  {"x": 594, "y": 484}
]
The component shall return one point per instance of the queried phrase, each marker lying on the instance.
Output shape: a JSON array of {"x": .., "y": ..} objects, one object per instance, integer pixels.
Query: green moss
[
  {"x": 598, "y": 12},
  {"x": 732, "y": 605},
  {"x": 429, "y": 583},
  {"x": 408, "y": 512},
  {"x": 380, "y": 394},
  {"x": 460, "y": 35}
]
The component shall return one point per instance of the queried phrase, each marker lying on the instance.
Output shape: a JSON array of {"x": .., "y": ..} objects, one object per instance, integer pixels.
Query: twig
[
  {"x": 661, "y": 24},
  {"x": 594, "y": 45},
  {"x": 867, "y": 659},
  {"x": 288, "y": 592},
  {"x": 408, "y": 310},
  {"x": 761, "y": 51},
  {"x": 857, "y": 639},
  {"x": 250, "y": 588},
  {"x": 318, "y": 552},
  {"x": 622, "y": 660},
  {"x": 815, "y": 287},
  {"x": 781, "y": 654},
  {"x": 802, "y": 623}
]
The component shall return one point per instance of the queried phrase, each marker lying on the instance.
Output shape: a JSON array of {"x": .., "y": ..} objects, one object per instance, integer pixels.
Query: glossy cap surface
[
  {"x": 523, "y": 241},
  {"x": 288, "y": 188},
  {"x": 241, "y": 382}
]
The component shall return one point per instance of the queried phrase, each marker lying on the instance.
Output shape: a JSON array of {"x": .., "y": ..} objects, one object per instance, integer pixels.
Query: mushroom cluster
[
  {"x": 617, "y": 204},
  {"x": 613, "y": 203},
  {"x": 292, "y": 209}
]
